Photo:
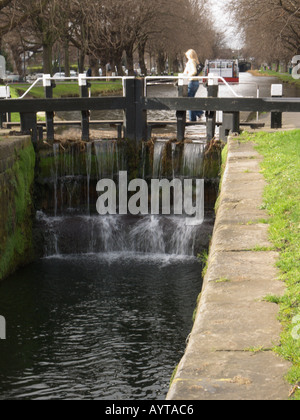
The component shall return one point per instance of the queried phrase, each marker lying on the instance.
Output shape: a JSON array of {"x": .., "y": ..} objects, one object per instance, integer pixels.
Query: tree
[
  {"x": 271, "y": 27},
  {"x": 109, "y": 31}
]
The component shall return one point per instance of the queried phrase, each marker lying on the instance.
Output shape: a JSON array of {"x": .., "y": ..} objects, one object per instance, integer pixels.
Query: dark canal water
[{"x": 110, "y": 326}]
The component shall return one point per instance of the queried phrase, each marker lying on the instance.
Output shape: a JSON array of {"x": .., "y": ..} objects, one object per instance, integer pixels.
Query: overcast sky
[{"x": 223, "y": 22}]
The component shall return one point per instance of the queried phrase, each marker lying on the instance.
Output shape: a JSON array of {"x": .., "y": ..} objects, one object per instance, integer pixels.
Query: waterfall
[
  {"x": 173, "y": 159},
  {"x": 166, "y": 235},
  {"x": 88, "y": 172},
  {"x": 159, "y": 147},
  {"x": 55, "y": 174},
  {"x": 105, "y": 154},
  {"x": 193, "y": 158},
  {"x": 79, "y": 229}
]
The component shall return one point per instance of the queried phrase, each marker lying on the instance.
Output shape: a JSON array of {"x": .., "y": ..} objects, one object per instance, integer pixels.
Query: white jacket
[{"x": 191, "y": 69}]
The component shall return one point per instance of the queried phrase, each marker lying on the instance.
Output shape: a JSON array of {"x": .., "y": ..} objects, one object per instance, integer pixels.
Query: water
[
  {"x": 159, "y": 147},
  {"x": 107, "y": 326},
  {"x": 88, "y": 157},
  {"x": 193, "y": 158},
  {"x": 106, "y": 312},
  {"x": 149, "y": 235}
]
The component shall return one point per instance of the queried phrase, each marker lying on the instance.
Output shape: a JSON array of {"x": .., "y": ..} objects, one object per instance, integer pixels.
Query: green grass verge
[
  {"x": 285, "y": 77},
  {"x": 64, "y": 90},
  {"x": 281, "y": 168},
  {"x": 70, "y": 90}
]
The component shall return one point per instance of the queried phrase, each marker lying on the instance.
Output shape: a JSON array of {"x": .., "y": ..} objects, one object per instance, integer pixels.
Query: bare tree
[
  {"x": 109, "y": 30},
  {"x": 271, "y": 27}
]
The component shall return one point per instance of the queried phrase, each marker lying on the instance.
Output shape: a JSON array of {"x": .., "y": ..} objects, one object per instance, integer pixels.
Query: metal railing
[
  {"x": 82, "y": 80},
  {"x": 185, "y": 79}
]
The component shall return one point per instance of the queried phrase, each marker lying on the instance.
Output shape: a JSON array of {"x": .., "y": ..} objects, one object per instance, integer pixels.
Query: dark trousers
[{"x": 192, "y": 90}]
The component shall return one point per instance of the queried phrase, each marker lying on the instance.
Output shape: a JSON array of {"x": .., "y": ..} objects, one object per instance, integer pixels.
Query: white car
[{"x": 59, "y": 76}]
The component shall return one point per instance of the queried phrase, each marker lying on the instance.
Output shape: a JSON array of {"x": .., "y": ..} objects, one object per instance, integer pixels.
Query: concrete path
[{"x": 229, "y": 354}]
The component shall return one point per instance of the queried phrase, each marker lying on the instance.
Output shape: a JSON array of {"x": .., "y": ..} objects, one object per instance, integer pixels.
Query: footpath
[{"x": 229, "y": 354}]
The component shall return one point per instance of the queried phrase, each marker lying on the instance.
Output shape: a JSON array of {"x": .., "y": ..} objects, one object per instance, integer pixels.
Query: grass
[
  {"x": 70, "y": 90},
  {"x": 64, "y": 90},
  {"x": 285, "y": 77},
  {"x": 281, "y": 168}
]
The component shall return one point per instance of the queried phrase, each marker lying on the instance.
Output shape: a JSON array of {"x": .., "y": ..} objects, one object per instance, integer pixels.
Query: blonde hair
[{"x": 192, "y": 55}]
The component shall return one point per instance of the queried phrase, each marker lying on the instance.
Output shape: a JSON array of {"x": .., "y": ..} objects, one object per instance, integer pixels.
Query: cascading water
[
  {"x": 89, "y": 232},
  {"x": 159, "y": 146},
  {"x": 160, "y": 235},
  {"x": 105, "y": 158},
  {"x": 88, "y": 172},
  {"x": 55, "y": 174},
  {"x": 193, "y": 158}
]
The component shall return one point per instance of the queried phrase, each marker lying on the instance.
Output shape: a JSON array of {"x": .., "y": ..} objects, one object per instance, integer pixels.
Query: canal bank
[
  {"x": 17, "y": 165},
  {"x": 229, "y": 354}
]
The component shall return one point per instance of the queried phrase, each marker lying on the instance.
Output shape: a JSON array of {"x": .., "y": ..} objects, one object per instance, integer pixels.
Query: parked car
[
  {"x": 12, "y": 78},
  {"x": 60, "y": 75}
]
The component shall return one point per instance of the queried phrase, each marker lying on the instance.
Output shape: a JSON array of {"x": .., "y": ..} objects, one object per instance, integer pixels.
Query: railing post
[
  {"x": 4, "y": 94},
  {"x": 85, "y": 115},
  {"x": 181, "y": 115},
  {"x": 29, "y": 125},
  {"x": 48, "y": 89},
  {"x": 276, "y": 117},
  {"x": 212, "y": 92},
  {"x": 2, "y": 118},
  {"x": 140, "y": 112},
  {"x": 231, "y": 123},
  {"x": 129, "y": 112},
  {"x": 135, "y": 116}
]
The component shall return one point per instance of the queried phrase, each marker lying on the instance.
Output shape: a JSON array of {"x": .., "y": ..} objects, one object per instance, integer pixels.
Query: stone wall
[{"x": 17, "y": 164}]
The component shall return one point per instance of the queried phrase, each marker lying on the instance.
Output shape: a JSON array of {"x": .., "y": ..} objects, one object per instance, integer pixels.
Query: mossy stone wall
[{"x": 17, "y": 167}]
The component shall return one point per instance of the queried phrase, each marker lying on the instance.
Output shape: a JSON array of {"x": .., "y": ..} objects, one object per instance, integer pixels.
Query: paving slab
[{"x": 229, "y": 355}]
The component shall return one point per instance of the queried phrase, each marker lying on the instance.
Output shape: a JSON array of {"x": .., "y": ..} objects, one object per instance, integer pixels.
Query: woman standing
[{"x": 191, "y": 71}]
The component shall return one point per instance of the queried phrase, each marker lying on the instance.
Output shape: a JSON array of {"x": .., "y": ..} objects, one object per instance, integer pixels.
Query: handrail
[
  {"x": 79, "y": 78},
  {"x": 184, "y": 77},
  {"x": 83, "y": 77},
  {"x": 28, "y": 90}
]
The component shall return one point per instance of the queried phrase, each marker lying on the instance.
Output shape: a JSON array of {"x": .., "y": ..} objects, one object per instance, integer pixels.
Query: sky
[{"x": 223, "y": 20}]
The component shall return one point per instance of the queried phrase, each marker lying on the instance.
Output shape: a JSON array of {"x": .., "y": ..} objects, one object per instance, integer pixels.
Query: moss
[
  {"x": 213, "y": 159},
  {"x": 16, "y": 210}
]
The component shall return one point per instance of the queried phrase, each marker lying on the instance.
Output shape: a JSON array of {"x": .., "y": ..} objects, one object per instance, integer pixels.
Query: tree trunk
[
  {"x": 161, "y": 62},
  {"x": 129, "y": 57},
  {"x": 81, "y": 59},
  {"x": 47, "y": 58},
  {"x": 18, "y": 61},
  {"x": 67, "y": 59},
  {"x": 116, "y": 61},
  {"x": 94, "y": 66},
  {"x": 141, "y": 50},
  {"x": 175, "y": 65}
]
